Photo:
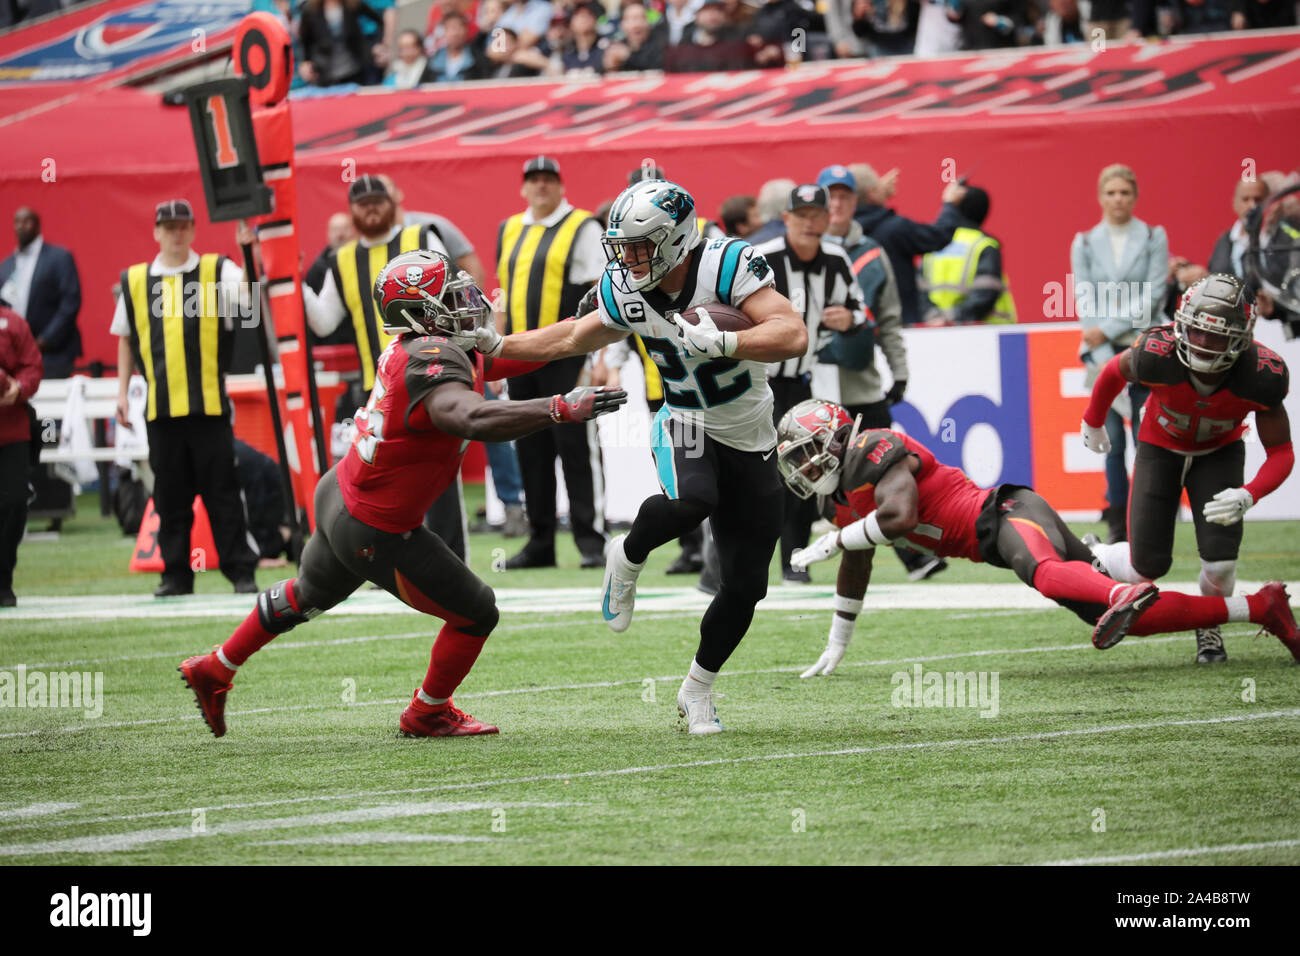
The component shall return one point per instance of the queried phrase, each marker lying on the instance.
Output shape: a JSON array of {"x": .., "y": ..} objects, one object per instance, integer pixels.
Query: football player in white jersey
[{"x": 713, "y": 439}]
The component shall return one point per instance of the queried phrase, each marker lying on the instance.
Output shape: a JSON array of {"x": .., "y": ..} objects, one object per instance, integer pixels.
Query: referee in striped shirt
[{"x": 816, "y": 275}]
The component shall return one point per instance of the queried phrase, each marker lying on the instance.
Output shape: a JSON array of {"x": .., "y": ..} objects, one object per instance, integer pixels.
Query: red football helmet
[
  {"x": 417, "y": 292},
  {"x": 812, "y": 438}
]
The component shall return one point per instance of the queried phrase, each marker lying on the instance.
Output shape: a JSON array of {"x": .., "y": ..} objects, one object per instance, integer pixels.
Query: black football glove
[
  {"x": 585, "y": 403},
  {"x": 895, "y": 393},
  {"x": 588, "y": 303}
]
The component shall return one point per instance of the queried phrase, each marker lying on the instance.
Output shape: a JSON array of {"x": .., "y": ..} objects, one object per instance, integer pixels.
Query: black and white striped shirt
[{"x": 811, "y": 286}]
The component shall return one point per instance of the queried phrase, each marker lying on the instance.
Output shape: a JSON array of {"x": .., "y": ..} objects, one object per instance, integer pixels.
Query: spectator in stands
[
  {"x": 739, "y": 15},
  {"x": 434, "y": 37},
  {"x": 1061, "y": 24},
  {"x": 1262, "y": 14},
  {"x": 1198, "y": 16},
  {"x": 547, "y": 57},
  {"x": 710, "y": 44},
  {"x": 411, "y": 68},
  {"x": 883, "y": 27},
  {"x": 638, "y": 45},
  {"x": 381, "y": 38},
  {"x": 739, "y": 215},
  {"x": 964, "y": 282},
  {"x": 1113, "y": 17},
  {"x": 20, "y": 375},
  {"x": 489, "y": 12},
  {"x": 904, "y": 239},
  {"x": 529, "y": 19},
  {"x": 839, "y": 30},
  {"x": 334, "y": 45},
  {"x": 191, "y": 442},
  {"x": 775, "y": 27},
  {"x": 990, "y": 24},
  {"x": 39, "y": 281},
  {"x": 937, "y": 29},
  {"x": 678, "y": 15},
  {"x": 585, "y": 52},
  {"x": 456, "y": 59},
  {"x": 1231, "y": 246},
  {"x": 1120, "y": 268},
  {"x": 502, "y": 52},
  {"x": 772, "y": 197}
]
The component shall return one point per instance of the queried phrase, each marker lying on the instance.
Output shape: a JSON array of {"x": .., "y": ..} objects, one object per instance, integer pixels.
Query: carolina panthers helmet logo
[{"x": 677, "y": 203}]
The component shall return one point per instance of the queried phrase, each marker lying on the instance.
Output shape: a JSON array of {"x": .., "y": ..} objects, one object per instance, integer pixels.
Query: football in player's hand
[{"x": 725, "y": 317}]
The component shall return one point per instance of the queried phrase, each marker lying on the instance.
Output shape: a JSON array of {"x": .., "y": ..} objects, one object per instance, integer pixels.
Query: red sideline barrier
[{"x": 1190, "y": 116}]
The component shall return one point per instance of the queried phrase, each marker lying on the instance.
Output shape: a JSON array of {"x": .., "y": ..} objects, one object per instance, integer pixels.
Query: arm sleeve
[
  {"x": 456, "y": 242},
  {"x": 498, "y": 368},
  {"x": 1104, "y": 392},
  {"x": 920, "y": 238},
  {"x": 588, "y": 257},
  {"x": 889, "y": 324},
  {"x": 120, "y": 326},
  {"x": 752, "y": 273},
  {"x": 236, "y": 292},
  {"x": 1275, "y": 470},
  {"x": 980, "y": 300},
  {"x": 30, "y": 368},
  {"x": 64, "y": 320},
  {"x": 610, "y": 317},
  {"x": 325, "y": 310}
]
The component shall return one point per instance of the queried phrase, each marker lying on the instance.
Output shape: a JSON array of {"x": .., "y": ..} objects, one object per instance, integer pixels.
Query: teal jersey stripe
[{"x": 727, "y": 272}]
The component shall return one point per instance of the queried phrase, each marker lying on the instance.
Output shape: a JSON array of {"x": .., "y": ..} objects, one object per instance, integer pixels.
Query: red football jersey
[
  {"x": 399, "y": 463},
  {"x": 1180, "y": 418},
  {"x": 948, "y": 501}
]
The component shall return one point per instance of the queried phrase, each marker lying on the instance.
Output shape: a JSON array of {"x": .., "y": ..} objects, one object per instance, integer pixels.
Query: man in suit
[
  {"x": 40, "y": 283},
  {"x": 1230, "y": 247}
]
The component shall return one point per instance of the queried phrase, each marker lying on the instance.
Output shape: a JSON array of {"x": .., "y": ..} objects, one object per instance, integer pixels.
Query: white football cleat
[
  {"x": 619, "y": 593},
  {"x": 701, "y": 716}
]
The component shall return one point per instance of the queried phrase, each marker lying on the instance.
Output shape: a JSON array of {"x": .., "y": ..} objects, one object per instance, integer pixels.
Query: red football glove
[{"x": 585, "y": 403}]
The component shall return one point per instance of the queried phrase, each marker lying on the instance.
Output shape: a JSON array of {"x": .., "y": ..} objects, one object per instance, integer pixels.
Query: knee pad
[
  {"x": 1218, "y": 578},
  {"x": 281, "y": 608}
]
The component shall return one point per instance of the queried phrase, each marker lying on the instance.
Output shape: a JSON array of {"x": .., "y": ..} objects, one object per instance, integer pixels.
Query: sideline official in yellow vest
[
  {"x": 348, "y": 290},
  {"x": 547, "y": 258},
  {"x": 175, "y": 322},
  {"x": 964, "y": 281}
]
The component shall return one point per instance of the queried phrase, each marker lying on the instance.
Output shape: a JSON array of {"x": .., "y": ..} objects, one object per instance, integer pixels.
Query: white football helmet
[{"x": 651, "y": 224}]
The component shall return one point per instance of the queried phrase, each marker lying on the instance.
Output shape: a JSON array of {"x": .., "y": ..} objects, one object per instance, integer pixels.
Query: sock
[
  {"x": 248, "y": 638},
  {"x": 1115, "y": 559},
  {"x": 699, "y": 681},
  {"x": 1072, "y": 581},
  {"x": 454, "y": 653},
  {"x": 1239, "y": 609},
  {"x": 659, "y": 520},
  {"x": 424, "y": 702},
  {"x": 1181, "y": 612}
]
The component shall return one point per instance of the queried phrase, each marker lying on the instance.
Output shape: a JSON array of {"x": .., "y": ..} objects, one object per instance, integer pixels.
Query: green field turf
[{"x": 590, "y": 766}]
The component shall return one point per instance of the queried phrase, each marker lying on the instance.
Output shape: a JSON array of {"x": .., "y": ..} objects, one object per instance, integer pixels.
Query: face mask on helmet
[
  {"x": 1213, "y": 324},
  {"x": 417, "y": 292},
  {"x": 652, "y": 229},
  {"x": 1273, "y": 259},
  {"x": 812, "y": 438}
]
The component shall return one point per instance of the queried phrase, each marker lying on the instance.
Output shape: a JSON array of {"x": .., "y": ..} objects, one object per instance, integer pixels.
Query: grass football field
[{"x": 1136, "y": 754}]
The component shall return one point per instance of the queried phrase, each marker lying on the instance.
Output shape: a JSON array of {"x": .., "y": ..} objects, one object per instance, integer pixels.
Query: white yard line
[
  {"x": 36, "y": 810},
  {"x": 119, "y": 842},
  {"x": 366, "y": 838},
  {"x": 1175, "y": 854},
  {"x": 685, "y": 765}
]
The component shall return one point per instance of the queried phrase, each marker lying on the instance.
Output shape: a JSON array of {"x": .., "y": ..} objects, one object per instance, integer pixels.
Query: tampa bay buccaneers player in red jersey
[
  {"x": 880, "y": 486},
  {"x": 1206, "y": 374},
  {"x": 426, "y": 407}
]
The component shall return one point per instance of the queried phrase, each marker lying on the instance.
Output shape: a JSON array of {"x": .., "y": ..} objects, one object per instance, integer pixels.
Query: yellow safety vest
[
  {"x": 355, "y": 268},
  {"x": 179, "y": 339},
  {"x": 949, "y": 274},
  {"x": 533, "y": 268}
]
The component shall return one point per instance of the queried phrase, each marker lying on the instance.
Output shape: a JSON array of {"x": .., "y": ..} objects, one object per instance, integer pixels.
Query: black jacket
[
  {"x": 1221, "y": 257},
  {"x": 52, "y": 306},
  {"x": 904, "y": 240},
  {"x": 318, "y": 43}
]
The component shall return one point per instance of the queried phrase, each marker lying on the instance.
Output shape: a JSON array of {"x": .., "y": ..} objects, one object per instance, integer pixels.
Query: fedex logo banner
[{"x": 122, "y": 38}]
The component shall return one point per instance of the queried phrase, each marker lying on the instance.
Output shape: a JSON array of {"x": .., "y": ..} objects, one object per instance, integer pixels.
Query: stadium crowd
[{"x": 358, "y": 41}]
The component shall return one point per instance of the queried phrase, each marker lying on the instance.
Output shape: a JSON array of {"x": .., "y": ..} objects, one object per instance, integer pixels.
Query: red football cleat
[
  {"x": 1127, "y": 605},
  {"x": 418, "y": 720},
  {"x": 202, "y": 675},
  {"x": 1279, "y": 620}
]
